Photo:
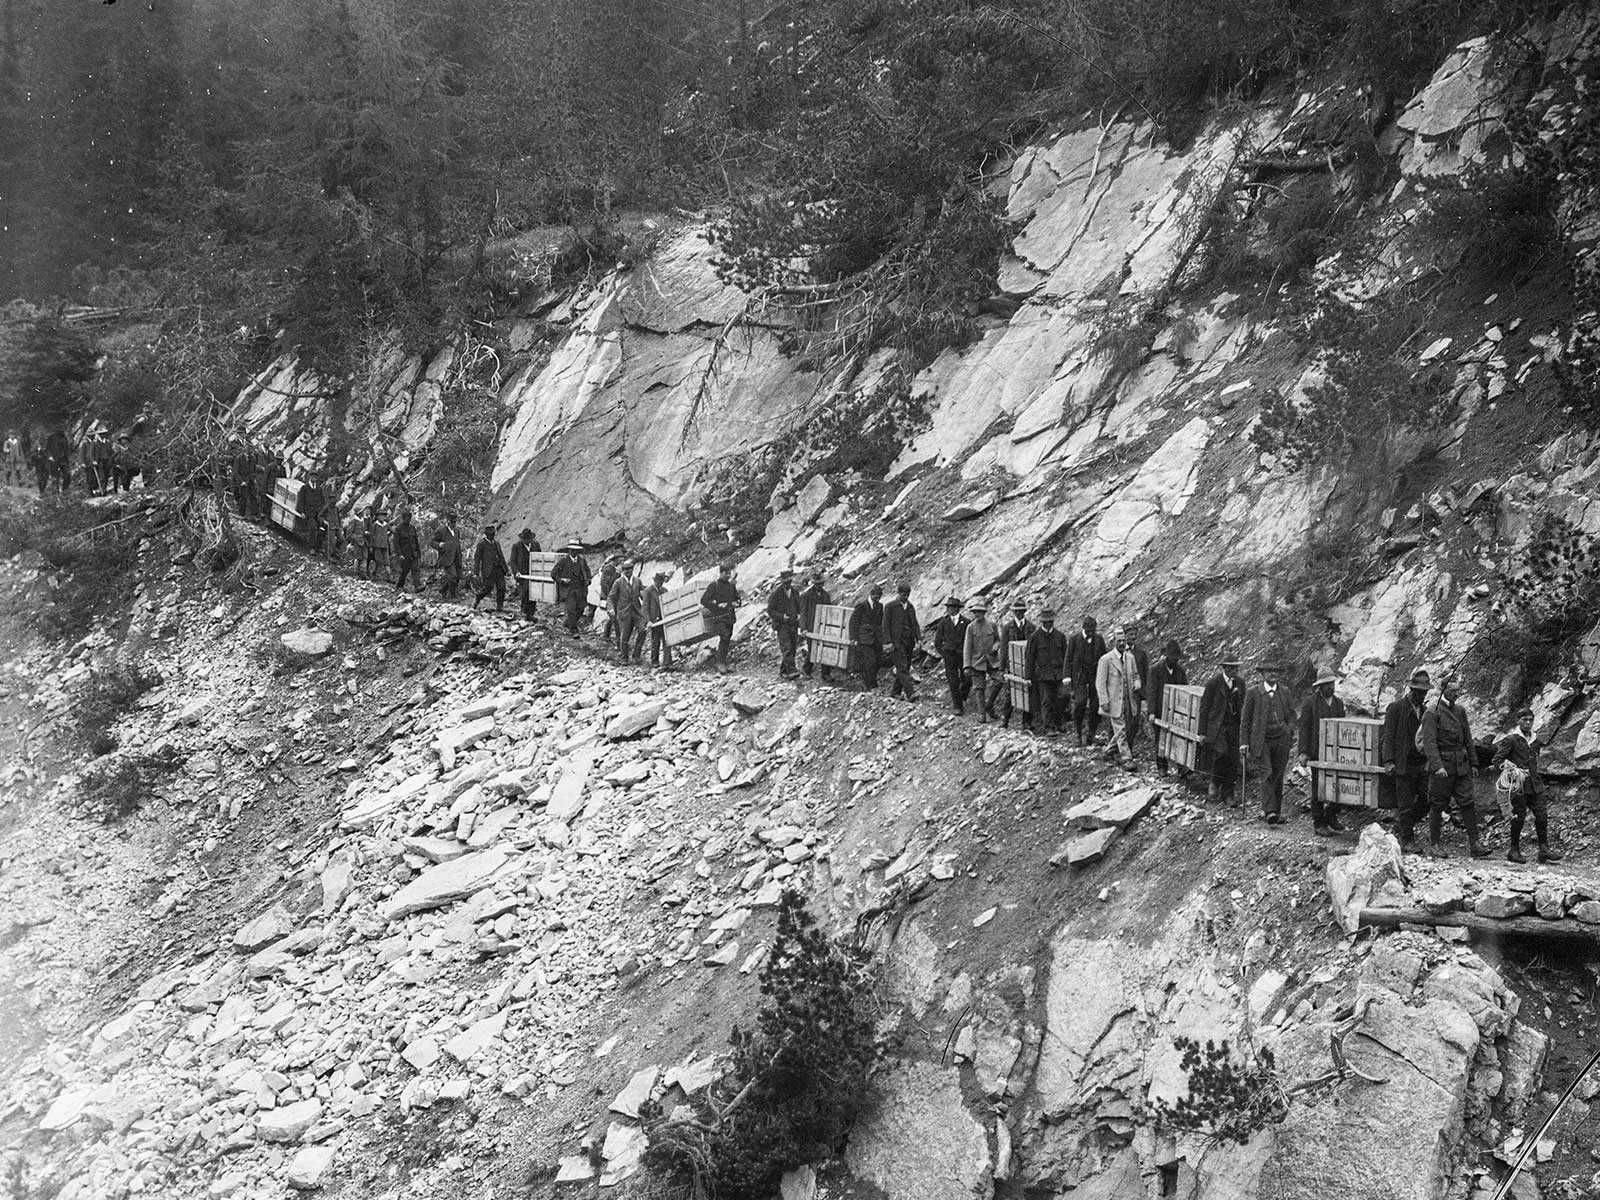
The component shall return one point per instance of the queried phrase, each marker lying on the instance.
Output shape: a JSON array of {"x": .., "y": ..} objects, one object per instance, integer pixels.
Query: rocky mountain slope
[{"x": 415, "y": 902}]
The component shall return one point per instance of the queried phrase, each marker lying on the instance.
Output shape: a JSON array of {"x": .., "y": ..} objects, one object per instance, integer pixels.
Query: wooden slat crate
[
  {"x": 682, "y": 621},
  {"x": 1178, "y": 736},
  {"x": 830, "y": 639},
  {"x": 541, "y": 587},
  {"x": 1016, "y": 677},
  {"x": 287, "y": 512},
  {"x": 1347, "y": 764}
]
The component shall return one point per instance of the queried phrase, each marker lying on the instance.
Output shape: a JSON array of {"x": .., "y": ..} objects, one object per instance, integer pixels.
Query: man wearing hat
[
  {"x": 660, "y": 652},
  {"x": 1401, "y": 757},
  {"x": 980, "y": 659},
  {"x": 1517, "y": 757},
  {"x": 1167, "y": 669},
  {"x": 1319, "y": 706},
  {"x": 1266, "y": 734},
  {"x": 1045, "y": 665},
  {"x": 1016, "y": 628},
  {"x": 720, "y": 603},
  {"x": 627, "y": 606},
  {"x": 522, "y": 552},
  {"x": 813, "y": 598},
  {"x": 901, "y": 633},
  {"x": 1085, "y": 649},
  {"x": 1446, "y": 738},
  {"x": 448, "y": 542},
  {"x": 866, "y": 631},
  {"x": 608, "y": 580},
  {"x": 1119, "y": 690},
  {"x": 489, "y": 567},
  {"x": 784, "y": 611},
  {"x": 950, "y": 644},
  {"x": 571, "y": 577}
]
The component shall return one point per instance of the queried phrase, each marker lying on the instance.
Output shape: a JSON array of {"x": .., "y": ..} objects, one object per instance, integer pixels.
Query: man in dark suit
[
  {"x": 1321, "y": 704},
  {"x": 1400, "y": 757},
  {"x": 1221, "y": 707},
  {"x": 813, "y": 598},
  {"x": 901, "y": 632},
  {"x": 950, "y": 644},
  {"x": 1046, "y": 666},
  {"x": 1167, "y": 669},
  {"x": 1085, "y": 649},
  {"x": 1266, "y": 733},
  {"x": 1446, "y": 738},
  {"x": 866, "y": 631}
]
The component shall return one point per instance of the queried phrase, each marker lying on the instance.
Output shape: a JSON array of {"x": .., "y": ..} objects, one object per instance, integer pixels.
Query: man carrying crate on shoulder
[{"x": 1321, "y": 704}]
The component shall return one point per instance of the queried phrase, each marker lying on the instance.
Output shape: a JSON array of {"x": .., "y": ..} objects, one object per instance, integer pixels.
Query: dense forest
[{"x": 315, "y": 174}]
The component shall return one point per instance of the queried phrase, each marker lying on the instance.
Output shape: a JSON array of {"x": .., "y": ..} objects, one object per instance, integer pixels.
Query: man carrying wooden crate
[
  {"x": 813, "y": 598},
  {"x": 1320, "y": 705},
  {"x": 866, "y": 631},
  {"x": 1168, "y": 668},
  {"x": 571, "y": 577},
  {"x": 522, "y": 552},
  {"x": 1017, "y": 628},
  {"x": 1045, "y": 665},
  {"x": 720, "y": 601},
  {"x": 660, "y": 649}
]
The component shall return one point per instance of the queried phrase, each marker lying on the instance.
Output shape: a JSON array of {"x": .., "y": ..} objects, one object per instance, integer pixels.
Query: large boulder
[{"x": 1374, "y": 873}]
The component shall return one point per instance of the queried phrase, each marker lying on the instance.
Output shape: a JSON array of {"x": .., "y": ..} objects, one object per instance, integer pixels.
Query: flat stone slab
[
  {"x": 1112, "y": 812},
  {"x": 639, "y": 1089},
  {"x": 286, "y": 1124},
  {"x": 269, "y": 927},
  {"x": 1085, "y": 848},
  {"x": 631, "y": 722},
  {"x": 446, "y": 883},
  {"x": 308, "y": 1166},
  {"x": 311, "y": 642}
]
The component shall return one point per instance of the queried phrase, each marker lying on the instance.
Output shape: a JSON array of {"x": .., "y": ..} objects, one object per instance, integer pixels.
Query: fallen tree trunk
[{"x": 1565, "y": 929}]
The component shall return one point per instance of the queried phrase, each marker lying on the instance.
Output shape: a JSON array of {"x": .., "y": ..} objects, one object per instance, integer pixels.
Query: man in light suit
[{"x": 1119, "y": 690}]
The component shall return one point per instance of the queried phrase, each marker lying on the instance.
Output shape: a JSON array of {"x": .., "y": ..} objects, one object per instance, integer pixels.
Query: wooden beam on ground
[{"x": 1566, "y": 929}]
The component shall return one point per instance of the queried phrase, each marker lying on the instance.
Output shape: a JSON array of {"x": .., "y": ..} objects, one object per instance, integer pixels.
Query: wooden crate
[
  {"x": 682, "y": 621},
  {"x": 830, "y": 639},
  {"x": 1016, "y": 677},
  {"x": 287, "y": 512},
  {"x": 1347, "y": 763},
  {"x": 1178, "y": 735},
  {"x": 541, "y": 587}
]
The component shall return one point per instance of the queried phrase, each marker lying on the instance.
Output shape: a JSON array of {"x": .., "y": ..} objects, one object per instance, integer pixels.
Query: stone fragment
[
  {"x": 336, "y": 884},
  {"x": 474, "y": 1039},
  {"x": 640, "y": 1087},
  {"x": 566, "y": 801},
  {"x": 1375, "y": 871},
  {"x": 724, "y": 956},
  {"x": 1117, "y": 811},
  {"x": 446, "y": 883},
  {"x": 434, "y": 849},
  {"x": 1588, "y": 912},
  {"x": 750, "y": 701},
  {"x": 452, "y": 741},
  {"x": 629, "y": 774},
  {"x": 422, "y": 1053},
  {"x": 1443, "y": 897},
  {"x": 1550, "y": 903},
  {"x": 1501, "y": 905},
  {"x": 631, "y": 722},
  {"x": 622, "y": 1150},
  {"x": 308, "y": 1166},
  {"x": 1085, "y": 848},
  {"x": 574, "y": 1168},
  {"x": 286, "y": 1124},
  {"x": 312, "y": 642},
  {"x": 269, "y": 927}
]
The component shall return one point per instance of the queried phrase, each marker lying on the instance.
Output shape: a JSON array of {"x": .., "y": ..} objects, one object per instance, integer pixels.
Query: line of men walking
[{"x": 108, "y": 464}]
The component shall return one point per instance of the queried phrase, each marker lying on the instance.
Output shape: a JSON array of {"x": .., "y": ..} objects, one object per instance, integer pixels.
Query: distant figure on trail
[
  {"x": 720, "y": 602},
  {"x": 489, "y": 568},
  {"x": 14, "y": 465},
  {"x": 407, "y": 551},
  {"x": 522, "y": 550}
]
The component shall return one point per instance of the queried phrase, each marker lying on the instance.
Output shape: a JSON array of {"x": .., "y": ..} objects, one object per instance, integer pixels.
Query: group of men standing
[{"x": 108, "y": 464}]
